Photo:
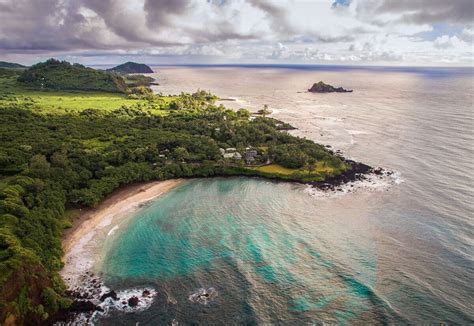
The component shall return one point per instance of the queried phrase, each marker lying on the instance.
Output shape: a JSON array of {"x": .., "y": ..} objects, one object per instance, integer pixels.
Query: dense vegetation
[
  {"x": 11, "y": 65},
  {"x": 53, "y": 158},
  {"x": 61, "y": 75},
  {"x": 137, "y": 80},
  {"x": 132, "y": 68}
]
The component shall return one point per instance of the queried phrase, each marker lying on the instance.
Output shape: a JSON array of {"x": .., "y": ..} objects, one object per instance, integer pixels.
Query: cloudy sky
[{"x": 382, "y": 32}]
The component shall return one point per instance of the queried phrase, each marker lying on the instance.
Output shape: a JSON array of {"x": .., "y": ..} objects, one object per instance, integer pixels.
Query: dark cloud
[
  {"x": 61, "y": 25},
  {"x": 127, "y": 25},
  {"x": 420, "y": 11},
  {"x": 159, "y": 12},
  {"x": 277, "y": 15},
  {"x": 56, "y": 27},
  {"x": 281, "y": 25},
  {"x": 42, "y": 25}
]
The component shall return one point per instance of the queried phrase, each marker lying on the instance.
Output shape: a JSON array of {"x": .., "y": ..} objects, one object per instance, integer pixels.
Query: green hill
[
  {"x": 11, "y": 65},
  {"x": 132, "y": 68},
  {"x": 61, "y": 75}
]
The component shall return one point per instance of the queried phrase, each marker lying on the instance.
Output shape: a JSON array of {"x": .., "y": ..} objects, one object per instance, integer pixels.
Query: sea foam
[
  {"x": 94, "y": 291},
  {"x": 372, "y": 182}
]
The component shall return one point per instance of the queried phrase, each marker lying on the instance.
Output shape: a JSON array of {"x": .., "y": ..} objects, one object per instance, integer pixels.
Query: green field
[
  {"x": 278, "y": 169},
  {"x": 274, "y": 168},
  {"x": 74, "y": 101}
]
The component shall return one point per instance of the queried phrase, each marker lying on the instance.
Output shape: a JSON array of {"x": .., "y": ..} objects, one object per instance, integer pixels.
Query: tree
[
  {"x": 180, "y": 153},
  {"x": 39, "y": 162},
  {"x": 265, "y": 111},
  {"x": 243, "y": 114}
]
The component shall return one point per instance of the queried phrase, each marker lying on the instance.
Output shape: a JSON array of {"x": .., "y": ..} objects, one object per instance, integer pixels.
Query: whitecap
[
  {"x": 144, "y": 297},
  {"x": 203, "y": 296},
  {"x": 127, "y": 300},
  {"x": 112, "y": 231},
  {"x": 372, "y": 182}
]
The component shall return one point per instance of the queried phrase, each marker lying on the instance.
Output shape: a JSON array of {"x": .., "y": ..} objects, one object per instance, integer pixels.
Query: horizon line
[{"x": 263, "y": 65}]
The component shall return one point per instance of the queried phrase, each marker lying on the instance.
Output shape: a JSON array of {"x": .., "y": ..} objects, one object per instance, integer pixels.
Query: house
[
  {"x": 231, "y": 153},
  {"x": 250, "y": 156},
  {"x": 234, "y": 155}
]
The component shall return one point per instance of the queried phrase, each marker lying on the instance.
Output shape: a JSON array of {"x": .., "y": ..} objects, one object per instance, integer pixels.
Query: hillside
[
  {"x": 11, "y": 65},
  {"x": 132, "y": 68},
  {"x": 61, "y": 75}
]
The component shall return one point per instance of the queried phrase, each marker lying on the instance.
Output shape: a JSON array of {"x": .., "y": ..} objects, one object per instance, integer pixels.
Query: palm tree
[{"x": 265, "y": 111}]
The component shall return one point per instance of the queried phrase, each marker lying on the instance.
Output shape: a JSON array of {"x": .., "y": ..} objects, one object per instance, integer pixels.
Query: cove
[{"x": 264, "y": 247}]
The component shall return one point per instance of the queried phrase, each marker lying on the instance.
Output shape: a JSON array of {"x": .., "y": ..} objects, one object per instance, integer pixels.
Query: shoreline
[
  {"x": 91, "y": 222},
  {"x": 81, "y": 245},
  {"x": 128, "y": 197},
  {"x": 116, "y": 202}
]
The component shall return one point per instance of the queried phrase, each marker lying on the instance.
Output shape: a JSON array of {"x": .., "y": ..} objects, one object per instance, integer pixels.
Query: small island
[
  {"x": 132, "y": 68},
  {"x": 322, "y": 87}
]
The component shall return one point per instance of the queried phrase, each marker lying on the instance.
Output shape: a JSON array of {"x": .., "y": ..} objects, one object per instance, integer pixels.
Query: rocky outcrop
[
  {"x": 357, "y": 172},
  {"x": 112, "y": 294},
  {"x": 133, "y": 301},
  {"x": 322, "y": 87}
]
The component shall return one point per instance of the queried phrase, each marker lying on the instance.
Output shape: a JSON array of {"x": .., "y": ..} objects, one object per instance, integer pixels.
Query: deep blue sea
[{"x": 392, "y": 252}]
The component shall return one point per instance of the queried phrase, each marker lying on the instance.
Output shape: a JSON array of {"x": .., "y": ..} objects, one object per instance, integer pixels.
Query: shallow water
[{"x": 276, "y": 254}]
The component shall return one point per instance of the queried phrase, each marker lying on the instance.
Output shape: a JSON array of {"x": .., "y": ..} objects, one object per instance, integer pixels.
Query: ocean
[{"x": 242, "y": 251}]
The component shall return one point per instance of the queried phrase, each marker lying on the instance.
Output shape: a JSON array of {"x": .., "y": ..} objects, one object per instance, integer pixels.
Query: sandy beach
[{"x": 81, "y": 241}]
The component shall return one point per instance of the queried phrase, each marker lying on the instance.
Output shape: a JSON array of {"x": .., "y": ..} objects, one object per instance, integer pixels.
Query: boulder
[
  {"x": 84, "y": 306},
  {"x": 133, "y": 301},
  {"x": 110, "y": 294}
]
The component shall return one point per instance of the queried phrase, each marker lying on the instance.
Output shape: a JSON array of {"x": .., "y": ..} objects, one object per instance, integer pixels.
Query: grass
[
  {"x": 322, "y": 168},
  {"x": 274, "y": 168},
  {"x": 57, "y": 102},
  {"x": 278, "y": 169}
]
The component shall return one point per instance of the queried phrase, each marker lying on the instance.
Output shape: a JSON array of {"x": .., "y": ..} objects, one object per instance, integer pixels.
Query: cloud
[
  {"x": 276, "y": 14},
  {"x": 279, "y": 52},
  {"x": 444, "y": 42},
  {"x": 418, "y": 11},
  {"x": 239, "y": 30},
  {"x": 159, "y": 12},
  {"x": 467, "y": 35}
]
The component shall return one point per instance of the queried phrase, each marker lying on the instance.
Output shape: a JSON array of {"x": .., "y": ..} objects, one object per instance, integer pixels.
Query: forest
[{"x": 57, "y": 155}]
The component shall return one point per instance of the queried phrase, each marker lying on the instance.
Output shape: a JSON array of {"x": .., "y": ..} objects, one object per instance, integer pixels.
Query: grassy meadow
[{"x": 57, "y": 102}]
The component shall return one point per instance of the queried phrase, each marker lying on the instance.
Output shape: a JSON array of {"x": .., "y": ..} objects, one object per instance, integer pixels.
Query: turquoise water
[{"x": 261, "y": 245}]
